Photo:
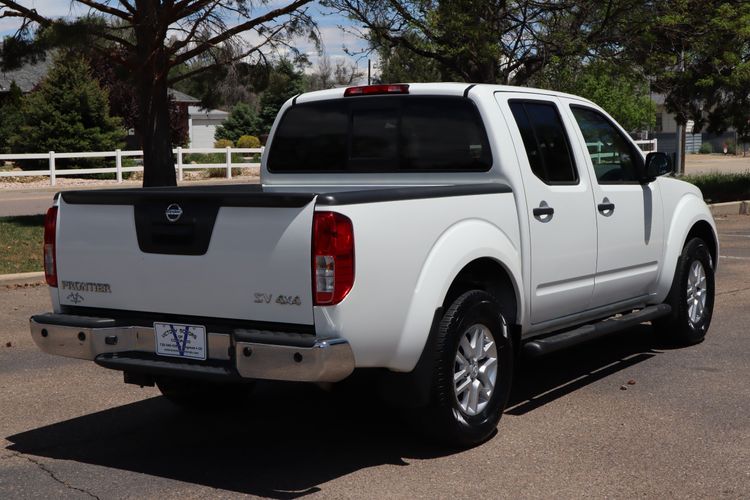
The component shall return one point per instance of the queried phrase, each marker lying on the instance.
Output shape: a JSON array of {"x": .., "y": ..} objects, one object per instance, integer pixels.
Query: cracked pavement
[{"x": 73, "y": 430}]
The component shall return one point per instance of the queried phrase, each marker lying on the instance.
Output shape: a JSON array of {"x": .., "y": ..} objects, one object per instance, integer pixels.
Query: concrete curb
[
  {"x": 21, "y": 278},
  {"x": 717, "y": 209},
  {"x": 730, "y": 208}
]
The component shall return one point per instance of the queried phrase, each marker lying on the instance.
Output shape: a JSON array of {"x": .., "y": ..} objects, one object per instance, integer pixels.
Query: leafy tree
[
  {"x": 243, "y": 120},
  {"x": 10, "y": 111},
  {"x": 123, "y": 101},
  {"x": 68, "y": 112},
  {"x": 328, "y": 75},
  {"x": 495, "y": 41},
  {"x": 623, "y": 92},
  {"x": 149, "y": 38},
  {"x": 398, "y": 64},
  {"x": 698, "y": 53},
  {"x": 285, "y": 81},
  {"x": 224, "y": 87}
]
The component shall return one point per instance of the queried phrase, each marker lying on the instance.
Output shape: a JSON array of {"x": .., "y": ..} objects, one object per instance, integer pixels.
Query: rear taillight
[
  {"x": 50, "y": 254},
  {"x": 332, "y": 258}
]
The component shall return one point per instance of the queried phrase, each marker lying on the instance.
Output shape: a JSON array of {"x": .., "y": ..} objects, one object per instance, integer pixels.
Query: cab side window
[
  {"x": 545, "y": 141},
  {"x": 614, "y": 158}
]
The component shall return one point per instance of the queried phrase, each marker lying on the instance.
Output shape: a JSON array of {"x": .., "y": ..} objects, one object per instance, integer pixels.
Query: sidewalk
[
  {"x": 22, "y": 279},
  {"x": 703, "y": 164},
  {"x": 35, "y": 198}
]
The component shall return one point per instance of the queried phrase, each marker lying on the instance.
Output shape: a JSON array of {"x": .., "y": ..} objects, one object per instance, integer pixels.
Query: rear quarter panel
[{"x": 407, "y": 255}]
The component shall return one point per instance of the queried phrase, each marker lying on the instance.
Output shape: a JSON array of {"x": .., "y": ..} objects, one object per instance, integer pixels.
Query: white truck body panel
[
  {"x": 253, "y": 250},
  {"x": 579, "y": 266},
  {"x": 562, "y": 277},
  {"x": 405, "y": 266},
  {"x": 683, "y": 209}
]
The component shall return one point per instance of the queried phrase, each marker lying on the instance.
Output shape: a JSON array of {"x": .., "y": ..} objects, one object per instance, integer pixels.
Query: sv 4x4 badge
[{"x": 284, "y": 300}]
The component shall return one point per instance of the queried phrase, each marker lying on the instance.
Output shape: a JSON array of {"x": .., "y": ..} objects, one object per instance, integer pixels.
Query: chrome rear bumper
[{"x": 250, "y": 355}]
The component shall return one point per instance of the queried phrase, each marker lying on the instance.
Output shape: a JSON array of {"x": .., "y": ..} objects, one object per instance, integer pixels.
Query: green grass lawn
[{"x": 21, "y": 244}]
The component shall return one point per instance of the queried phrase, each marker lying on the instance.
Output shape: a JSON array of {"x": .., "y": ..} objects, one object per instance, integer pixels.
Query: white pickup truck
[{"x": 434, "y": 232}]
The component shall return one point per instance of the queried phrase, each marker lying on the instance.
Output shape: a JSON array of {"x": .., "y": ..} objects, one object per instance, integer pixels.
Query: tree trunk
[
  {"x": 153, "y": 98},
  {"x": 158, "y": 162}
]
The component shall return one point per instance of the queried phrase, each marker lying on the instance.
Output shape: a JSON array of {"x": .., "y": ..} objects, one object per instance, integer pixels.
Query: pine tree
[
  {"x": 285, "y": 81},
  {"x": 68, "y": 112},
  {"x": 10, "y": 111},
  {"x": 242, "y": 121}
]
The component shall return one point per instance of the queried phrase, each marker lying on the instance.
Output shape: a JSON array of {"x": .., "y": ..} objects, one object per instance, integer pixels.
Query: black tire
[
  {"x": 444, "y": 418},
  {"x": 679, "y": 327},
  {"x": 200, "y": 395}
]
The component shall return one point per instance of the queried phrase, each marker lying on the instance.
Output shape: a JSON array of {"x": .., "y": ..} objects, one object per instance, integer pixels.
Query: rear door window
[
  {"x": 545, "y": 141},
  {"x": 381, "y": 134}
]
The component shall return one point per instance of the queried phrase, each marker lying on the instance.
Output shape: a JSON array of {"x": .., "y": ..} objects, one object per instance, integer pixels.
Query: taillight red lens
[
  {"x": 50, "y": 253},
  {"x": 332, "y": 258},
  {"x": 376, "y": 90}
]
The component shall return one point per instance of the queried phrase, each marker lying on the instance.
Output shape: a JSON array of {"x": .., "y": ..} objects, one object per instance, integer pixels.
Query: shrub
[
  {"x": 248, "y": 141},
  {"x": 720, "y": 187},
  {"x": 223, "y": 143},
  {"x": 217, "y": 172},
  {"x": 731, "y": 147},
  {"x": 706, "y": 149}
]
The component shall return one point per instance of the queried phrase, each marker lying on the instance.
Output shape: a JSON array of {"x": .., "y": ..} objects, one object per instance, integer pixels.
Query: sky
[{"x": 335, "y": 39}]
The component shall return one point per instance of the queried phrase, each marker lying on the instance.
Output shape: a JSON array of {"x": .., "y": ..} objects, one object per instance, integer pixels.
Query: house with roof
[{"x": 665, "y": 131}]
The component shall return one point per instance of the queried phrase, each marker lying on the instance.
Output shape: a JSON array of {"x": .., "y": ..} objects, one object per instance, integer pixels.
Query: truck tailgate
[{"x": 226, "y": 252}]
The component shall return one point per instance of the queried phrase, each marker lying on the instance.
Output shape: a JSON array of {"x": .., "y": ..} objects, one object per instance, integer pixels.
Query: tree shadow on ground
[{"x": 297, "y": 437}]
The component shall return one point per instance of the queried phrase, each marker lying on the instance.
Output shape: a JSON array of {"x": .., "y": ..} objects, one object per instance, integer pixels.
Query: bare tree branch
[
  {"x": 106, "y": 9},
  {"x": 242, "y": 27},
  {"x": 26, "y": 12},
  {"x": 197, "y": 23}
]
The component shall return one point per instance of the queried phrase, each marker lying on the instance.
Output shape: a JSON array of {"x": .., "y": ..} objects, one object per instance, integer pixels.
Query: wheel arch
[
  {"x": 491, "y": 276},
  {"x": 703, "y": 230},
  {"x": 471, "y": 253},
  {"x": 690, "y": 218}
]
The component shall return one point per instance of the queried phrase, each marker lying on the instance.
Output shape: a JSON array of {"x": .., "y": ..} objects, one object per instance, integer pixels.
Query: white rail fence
[
  {"x": 180, "y": 166},
  {"x": 601, "y": 153},
  {"x": 648, "y": 146}
]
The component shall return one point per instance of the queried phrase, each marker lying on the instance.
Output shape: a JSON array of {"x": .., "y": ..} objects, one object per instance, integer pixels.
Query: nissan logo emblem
[{"x": 173, "y": 213}]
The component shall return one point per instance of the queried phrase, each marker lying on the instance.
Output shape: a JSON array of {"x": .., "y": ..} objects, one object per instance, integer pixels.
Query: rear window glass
[{"x": 381, "y": 134}]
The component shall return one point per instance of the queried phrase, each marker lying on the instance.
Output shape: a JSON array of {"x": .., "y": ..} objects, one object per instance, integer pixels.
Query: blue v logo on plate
[{"x": 180, "y": 341}]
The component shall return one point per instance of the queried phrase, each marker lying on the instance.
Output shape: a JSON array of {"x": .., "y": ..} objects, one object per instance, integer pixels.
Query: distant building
[
  {"x": 665, "y": 131},
  {"x": 202, "y": 125},
  {"x": 26, "y": 77}
]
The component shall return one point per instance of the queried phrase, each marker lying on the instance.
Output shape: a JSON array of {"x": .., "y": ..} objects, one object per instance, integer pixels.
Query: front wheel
[
  {"x": 474, "y": 367},
  {"x": 691, "y": 296}
]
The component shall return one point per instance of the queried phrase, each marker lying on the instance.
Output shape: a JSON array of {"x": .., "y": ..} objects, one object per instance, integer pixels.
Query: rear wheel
[
  {"x": 691, "y": 296},
  {"x": 472, "y": 378},
  {"x": 202, "y": 395}
]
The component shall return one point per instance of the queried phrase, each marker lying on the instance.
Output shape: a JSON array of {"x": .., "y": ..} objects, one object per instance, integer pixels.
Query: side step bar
[{"x": 586, "y": 333}]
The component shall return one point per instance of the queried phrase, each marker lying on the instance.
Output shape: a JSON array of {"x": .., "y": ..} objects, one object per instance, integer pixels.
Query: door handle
[
  {"x": 606, "y": 207},
  {"x": 543, "y": 212}
]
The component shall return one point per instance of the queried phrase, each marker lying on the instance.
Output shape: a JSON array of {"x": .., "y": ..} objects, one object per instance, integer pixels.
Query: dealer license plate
[{"x": 180, "y": 341}]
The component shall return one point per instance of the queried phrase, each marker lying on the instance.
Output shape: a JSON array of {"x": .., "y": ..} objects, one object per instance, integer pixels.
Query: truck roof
[{"x": 444, "y": 88}]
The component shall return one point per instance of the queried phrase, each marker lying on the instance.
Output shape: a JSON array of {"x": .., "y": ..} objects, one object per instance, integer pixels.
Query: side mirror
[{"x": 657, "y": 163}]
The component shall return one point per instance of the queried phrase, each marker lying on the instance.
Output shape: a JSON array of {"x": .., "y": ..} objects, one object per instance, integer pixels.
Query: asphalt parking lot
[{"x": 681, "y": 430}]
